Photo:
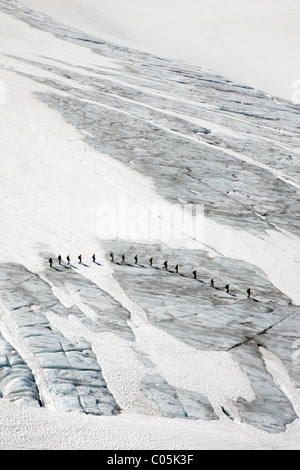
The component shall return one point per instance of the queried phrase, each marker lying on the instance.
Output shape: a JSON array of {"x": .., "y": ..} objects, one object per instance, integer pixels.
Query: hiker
[
  {"x": 176, "y": 268},
  {"x": 68, "y": 259},
  {"x": 195, "y": 274},
  {"x": 111, "y": 256},
  {"x": 136, "y": 259},
  {"x": 123, "y": 259},
  {"x": 94, "y": 258},
  {"x": 165, "y": 265},
  {"x": 59, "y": 259},
  {"x": 248, "y": 292},
  {"x": 151, "y": 261},
  {"x": 212, "y": 284},
  {"x": 227, "y": 288},
  {"x": 79, "y": 257},
  {"x": 50, "y": 262}
]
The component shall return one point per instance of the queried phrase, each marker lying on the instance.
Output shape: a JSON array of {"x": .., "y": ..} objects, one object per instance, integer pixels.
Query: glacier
[{"x": 128, "y": 355}]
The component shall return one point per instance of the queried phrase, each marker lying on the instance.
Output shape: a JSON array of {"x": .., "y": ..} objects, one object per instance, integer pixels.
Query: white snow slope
[
  {"x": 76, "y": 116},
  {"x": 254, "y": 43}
]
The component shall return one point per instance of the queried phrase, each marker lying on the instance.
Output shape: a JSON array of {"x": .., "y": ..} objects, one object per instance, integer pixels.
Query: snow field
[{"x": 52, "y": 194}]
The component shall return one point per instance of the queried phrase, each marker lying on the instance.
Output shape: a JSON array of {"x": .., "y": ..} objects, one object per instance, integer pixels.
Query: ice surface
[
  {"x": 168, "y": 145},
  {"x": 177, "y": 403},
  {"x": 249, "y": 137},
  {"x": 207, "y": 318},
  {"x": 255, "y": 43},
  {"x": 102, "y": 348},
  {"x": 16, "y": 380},
  {"x": 271, "y": 409},
  {"x": 71, "y": 372}
]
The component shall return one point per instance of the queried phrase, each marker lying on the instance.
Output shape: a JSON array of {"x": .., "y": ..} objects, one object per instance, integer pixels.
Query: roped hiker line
[{"x": 164, "y": 267}]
